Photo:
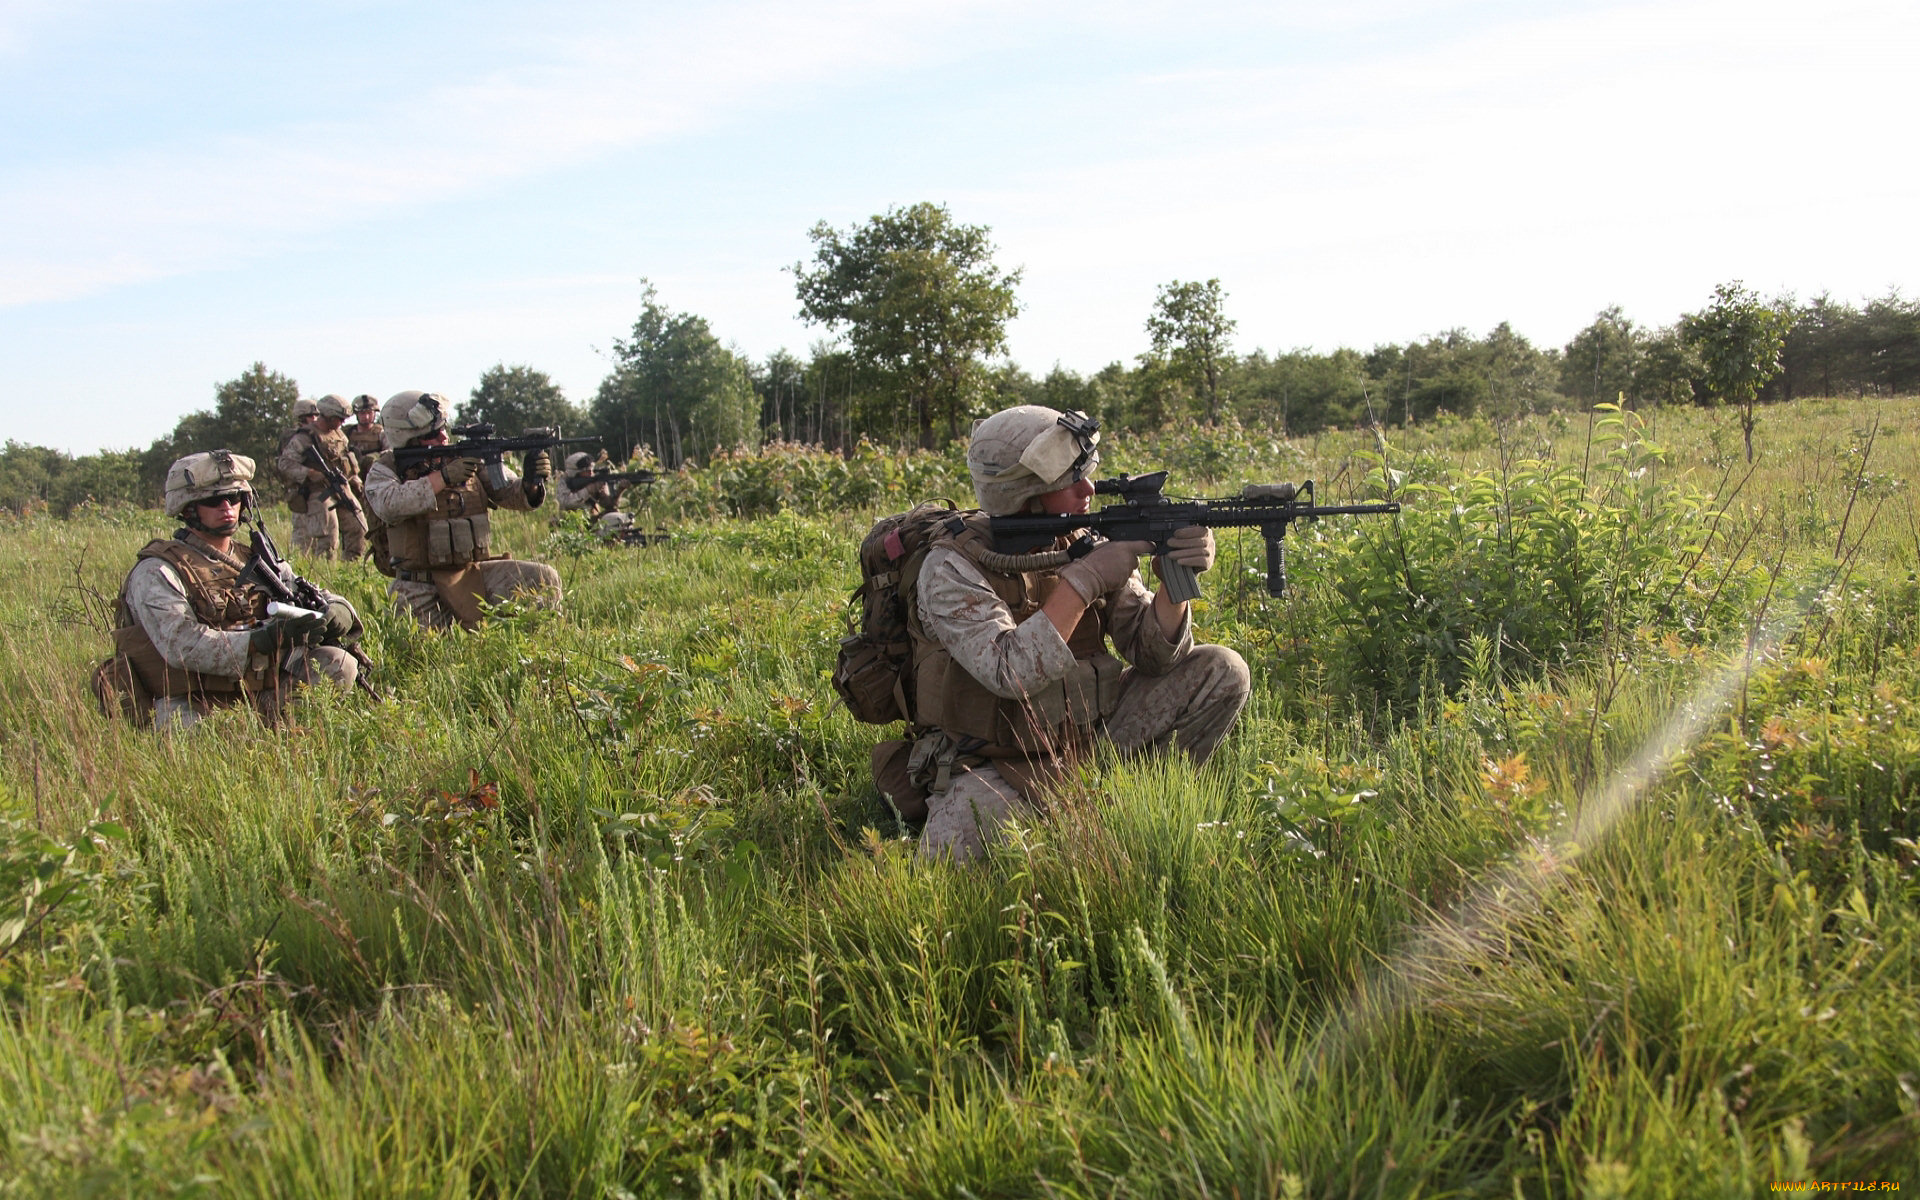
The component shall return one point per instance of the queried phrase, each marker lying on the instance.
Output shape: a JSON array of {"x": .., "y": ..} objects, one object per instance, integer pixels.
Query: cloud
[{"x": 195, "y": 203}]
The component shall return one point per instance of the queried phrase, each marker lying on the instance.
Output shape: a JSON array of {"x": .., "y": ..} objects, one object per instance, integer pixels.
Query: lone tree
[
  {"x": 517, "y": 398},
  {"x": 920, "y": 303},
  {"x": 1598, "y": 365},
  {"x": 1739, "y": 338},
  {"x": 675, "y": 385},
  {"x": 1190, "y": 328}
]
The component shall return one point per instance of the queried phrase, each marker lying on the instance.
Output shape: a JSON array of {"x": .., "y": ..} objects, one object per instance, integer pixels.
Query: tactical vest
[
  {"x": 365, "y": 440},
  {"x": 1059, "y": 716},
  {"x": 218, "y": 600},
  {"x": 454, "y": 534}
]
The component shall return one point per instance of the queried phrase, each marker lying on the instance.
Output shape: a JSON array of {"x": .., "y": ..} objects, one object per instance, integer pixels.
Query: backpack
[{"x": 874, "y": 672}]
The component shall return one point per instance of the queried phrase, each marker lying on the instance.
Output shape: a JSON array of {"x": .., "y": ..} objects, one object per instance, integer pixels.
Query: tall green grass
[{"x": 601, "y": 903}]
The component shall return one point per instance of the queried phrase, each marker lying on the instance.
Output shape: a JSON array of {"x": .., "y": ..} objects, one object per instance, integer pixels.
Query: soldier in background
[
  {"x": 578, "y": 491},
  {"x": 366, "y": 435},
  {"x": 322, "y": 523},
  {"x": 190, "y": 637},
  {"x": 438, "y": 535}
]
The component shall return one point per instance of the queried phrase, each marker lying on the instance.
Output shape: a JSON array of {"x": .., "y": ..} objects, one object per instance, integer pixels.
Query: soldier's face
[
  {"x": 329, "y": 424},
  {"x": 220, "y": 514},
  {"x": 1075, "y": 498}
]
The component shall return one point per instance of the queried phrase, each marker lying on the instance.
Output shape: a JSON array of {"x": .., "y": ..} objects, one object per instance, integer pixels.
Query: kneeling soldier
[
  {"x": 1011, "y": 660},
  {"x": 438, "y": 537},
  {"x": 191, "y": 637}
]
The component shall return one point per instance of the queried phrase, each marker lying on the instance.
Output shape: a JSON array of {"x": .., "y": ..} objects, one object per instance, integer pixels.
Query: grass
[{"x": 602, "y": 904}]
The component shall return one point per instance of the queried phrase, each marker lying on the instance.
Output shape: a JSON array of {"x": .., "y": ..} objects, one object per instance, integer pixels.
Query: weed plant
[{"x": 1567, "y": 848}]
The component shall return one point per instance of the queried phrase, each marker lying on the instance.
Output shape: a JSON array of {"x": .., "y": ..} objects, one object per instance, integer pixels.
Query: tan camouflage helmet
[
  {"x": 578, "y": 462},
  {"x": 411, "y": 415},
  {"x": 333, "y": 404},
  {"x": 1027, "y": 451},
  {"x": 365, "y": 403},
  {"x": 305, "y": 407},
  {"x": 210, "y": 473}
]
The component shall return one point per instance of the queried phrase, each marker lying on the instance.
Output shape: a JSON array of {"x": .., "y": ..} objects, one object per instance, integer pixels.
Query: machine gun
[
  {"x": 339, "y": 487},
  {"x": 1144, "y": 514},
  {"x": 478, "y": 441},
  {"x": 275, "y": 576}
]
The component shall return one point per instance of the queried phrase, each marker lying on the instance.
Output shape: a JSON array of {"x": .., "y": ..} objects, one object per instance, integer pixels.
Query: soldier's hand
[
  {"x": 314, "y": 476},
  {"x": 1107, "y": 567},
  {"x": 277, "y": 634},
  {"x": 1191, "y": 547},
  {"x": 539, "y": 466},
  {"x": 340, "y": 619},
  {"x": 458, "y": 470}
]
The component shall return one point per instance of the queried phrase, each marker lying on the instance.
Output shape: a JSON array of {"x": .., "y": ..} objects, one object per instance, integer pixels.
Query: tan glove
[
  {"x": 458, "y": 470},
  {"x": 1191, "y": 547},
  {"x": 539, "y": 466},
  {"x": 1109, "y": 566}
]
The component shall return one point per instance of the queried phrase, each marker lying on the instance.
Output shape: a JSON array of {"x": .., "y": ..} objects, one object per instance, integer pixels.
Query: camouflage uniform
[
  {"x": 1173, "y": 693},
  {"x": 440, "y": 543},
  {"x": 576, "y": 488},
  {"x": 325, "y": 524},
  {"x": 368, "y": 441}
]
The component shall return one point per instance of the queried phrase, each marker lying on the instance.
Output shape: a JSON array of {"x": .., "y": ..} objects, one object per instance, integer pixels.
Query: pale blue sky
[{"x": 372, "y": 197}]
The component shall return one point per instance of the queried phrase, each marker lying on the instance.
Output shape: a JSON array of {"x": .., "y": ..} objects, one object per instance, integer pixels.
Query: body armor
[
  {"x": 1060, "y": 716},
  {"x": 366, "y": 443},
  {"x": 454, "y": 534},
  {"x": 214, "y": 591}
]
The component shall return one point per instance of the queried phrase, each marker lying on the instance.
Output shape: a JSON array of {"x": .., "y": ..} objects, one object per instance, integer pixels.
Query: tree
[
  {"x": 249, "y": 416},
  {"x": 517, "y": 398},
  {"x": 920, "y": 303},
  {"x": 1668, "y": 366},
  {"x": 1739, "y": 339},
  {"x": 675, "y": 386},
  {"x": 1599, "y": 363},
  {"x": 1190, "y": 329}
]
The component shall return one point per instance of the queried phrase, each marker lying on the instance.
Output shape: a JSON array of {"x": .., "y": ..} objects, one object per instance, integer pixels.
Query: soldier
[
  {"x": 191, "y": 637},
  {"x": 365, "y": 435},
  {"x": 438, "y": 536},
  {"x": 577, "y": 489},
  {"x": 1012, "y": 666},
  {"x": 321, "y": 522}
]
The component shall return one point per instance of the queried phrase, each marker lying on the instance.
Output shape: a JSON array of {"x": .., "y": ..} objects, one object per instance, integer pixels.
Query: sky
[{"x": 373, "y": 197}]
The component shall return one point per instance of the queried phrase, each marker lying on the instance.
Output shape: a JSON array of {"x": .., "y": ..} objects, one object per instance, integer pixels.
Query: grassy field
[{"x": 1567, "y": 848}]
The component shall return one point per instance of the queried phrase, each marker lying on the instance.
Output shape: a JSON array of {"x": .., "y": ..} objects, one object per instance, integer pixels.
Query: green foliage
[
  {"x": 602, "y": 903},
  {"x": 516, "y": 398},
  {"x": 920, "y": 303},
  {"x": 1739, "y": 339},
  {"x": 1190, "y": 328},
  {"x": 675, "y": 388},
  {"x": 250, "y": 415}
]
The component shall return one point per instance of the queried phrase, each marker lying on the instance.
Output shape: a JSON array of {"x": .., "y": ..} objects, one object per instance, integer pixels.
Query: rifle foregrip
[
  {"x": 1178, "y": 581},
  {"x": 1276, "y": 565}
]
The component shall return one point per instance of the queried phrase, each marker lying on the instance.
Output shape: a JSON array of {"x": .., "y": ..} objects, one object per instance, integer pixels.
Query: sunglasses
[{"x": 236, "y": 498}]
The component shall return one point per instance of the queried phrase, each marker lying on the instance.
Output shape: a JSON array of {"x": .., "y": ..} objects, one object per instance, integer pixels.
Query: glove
[
  {"x": 1109, "y": 566},
  {"x": 1191, "y": 547},
  {"x": 284, "y": 633},
  {"x": 458, "y": 470},
  {"x": 539, "y": 466},
  {"x": 340, "y": 619}
]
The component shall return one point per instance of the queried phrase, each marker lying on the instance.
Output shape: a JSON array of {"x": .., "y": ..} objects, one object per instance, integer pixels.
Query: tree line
[{"x": 913, "y": 312}]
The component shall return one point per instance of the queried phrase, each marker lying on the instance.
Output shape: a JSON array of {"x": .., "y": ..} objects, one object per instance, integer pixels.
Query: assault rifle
[
  {"x": 580, "y": 483},
  {"x": 1144, "y": 514},
  {"x": 275, "y": 576},
  {"x": 477, "y": 441},
  {"x": 339, "y": 487}
]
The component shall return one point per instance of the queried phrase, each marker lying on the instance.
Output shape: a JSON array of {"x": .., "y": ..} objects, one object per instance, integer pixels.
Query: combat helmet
[
  {"x": 412, "y": 415},
  {"x": 578, "y": 462},
  {"x": 365, "y": 403},
  {"x": 1029, "y": 450},
  {"x": 205, "y": 475},
  {"x": 333, "y": 404},
  {"x": 305, "y": 407}
]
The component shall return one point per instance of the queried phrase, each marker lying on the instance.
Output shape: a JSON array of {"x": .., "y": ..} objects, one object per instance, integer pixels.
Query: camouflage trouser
[
  {"x": 307, "y": 664},
  {"x": 322, "y": 529},
  {"x": 500, "y": 579},
  {"x": 1194, "y": 705}
]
